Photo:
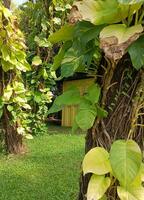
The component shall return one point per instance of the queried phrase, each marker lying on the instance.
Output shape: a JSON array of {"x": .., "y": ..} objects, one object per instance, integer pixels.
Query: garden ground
[{"x": 49, "y": 170}]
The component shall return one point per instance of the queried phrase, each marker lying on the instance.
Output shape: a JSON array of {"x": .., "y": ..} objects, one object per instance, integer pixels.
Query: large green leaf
[
  {"x": 59, "y": 57},
  {"x": 97, "y": 187},
  {"x": 93, "y": 93},
  {"x": 72, "y": 59},
  {"x": 64, "y": 34},
  {"x": 125, "y": 158},
  {"x": 136, "y": 51},
  {"x": 85, "y": 104},
  {"x": 133, "y": 193},
  {"x": 103, "y": 11},
  {"x": 55, "y": 108},
  {"x": 96, "y": 161},
  {"x": 70, "y": 97},
  {"x": 130, "y": 1},
  {"x": 86, "y": 31},
  {"x": 70, "y": 63},
  {"x": 85, "y": 118}
]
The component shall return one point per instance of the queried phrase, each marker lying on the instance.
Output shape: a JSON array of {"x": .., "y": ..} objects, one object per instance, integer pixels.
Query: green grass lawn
[{"x": 49, "y": 171}]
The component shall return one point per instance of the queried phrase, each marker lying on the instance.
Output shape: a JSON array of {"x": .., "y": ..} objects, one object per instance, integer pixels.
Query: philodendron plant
[{"x": 118, "y": 173}]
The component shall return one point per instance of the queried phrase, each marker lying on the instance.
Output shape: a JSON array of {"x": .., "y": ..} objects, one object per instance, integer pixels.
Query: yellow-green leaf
[
  {"x": 133, "y": 193},
  {"x": 5, "y": 53},
  {"x": 6, "y": 66},
  {"x": 97, "y": 187},
  {"x": 28, "y": 136},
  {"x": 64, "y": 34},
  {"x": 36, "y": 61},
  {"x": 104, "y": 11},
  {"x": 96, "y": 161},
  {"x": 142, "y": 172},
  {"x": 7, "y": 93},
  {"x": 125, "y": 158},
  {"x": 120, "y": 31}
]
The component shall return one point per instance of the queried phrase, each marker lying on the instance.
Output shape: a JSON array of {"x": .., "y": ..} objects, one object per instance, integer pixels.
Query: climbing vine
[
  {"x": 43, "y": 18},
  {"x": 13, "y": 95},
  {"x": 106, "y": 38}
]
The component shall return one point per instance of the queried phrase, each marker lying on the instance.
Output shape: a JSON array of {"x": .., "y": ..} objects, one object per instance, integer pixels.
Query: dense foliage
[
  {"x": 100, "y": 34},
  {"x": 13, "y": 100},
  {"x": 101, "y": 38},
  {"x": 43, "y": 18},
  {"x": 82, "y": 47},
  {"x": 123, "y": 163}
]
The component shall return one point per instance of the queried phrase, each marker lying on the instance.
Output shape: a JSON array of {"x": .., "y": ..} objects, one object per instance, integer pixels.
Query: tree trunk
[
  {"x": 7, "y": 3},
  {"x": 120, "y": 85},
  {"x": 13, "y": 141}
]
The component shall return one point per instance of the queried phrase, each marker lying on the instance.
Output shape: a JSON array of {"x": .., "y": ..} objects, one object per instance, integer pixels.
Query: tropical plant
[
  {"x": 123, "y": 165},
  {"x": 37, "y": 20},
  {"x": 105, "y": 38},
  {"x": 13, "y": 95}
]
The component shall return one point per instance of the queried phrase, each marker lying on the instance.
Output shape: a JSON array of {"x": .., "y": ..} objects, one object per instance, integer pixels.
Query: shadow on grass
[{"x": 57, "y": 129}]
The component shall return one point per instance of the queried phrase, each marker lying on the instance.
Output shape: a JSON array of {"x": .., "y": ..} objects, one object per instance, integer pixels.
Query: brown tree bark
[
  {"x": 13, "y": 140},
  {"x": 7, "y": 3},
  {"x": 118, "y": 100}
]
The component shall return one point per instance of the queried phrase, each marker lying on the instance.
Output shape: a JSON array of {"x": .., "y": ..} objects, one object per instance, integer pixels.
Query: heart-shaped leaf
[
  {"x": 97, "y": 186},
  {"x": 69, "y": 97},
  {"x": 85, "y": 118},
  {"x": 96, "y": 161},
  {"x": 125, "y": 158},
  {"x": 93, "y": 93}
]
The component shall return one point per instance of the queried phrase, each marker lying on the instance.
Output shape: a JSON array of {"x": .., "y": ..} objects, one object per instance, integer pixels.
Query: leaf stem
[
  {"x": 141, "y": 18},
  {"x": 136, "y": 17}
]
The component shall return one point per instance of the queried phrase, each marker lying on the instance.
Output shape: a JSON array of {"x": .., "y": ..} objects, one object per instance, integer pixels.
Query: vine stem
[
  {"x": 137, "y": 106},
  {"x": 106, "y": 86},
  {"x": 141, "y": 18},
  {"x": 136, "y": 17}
]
